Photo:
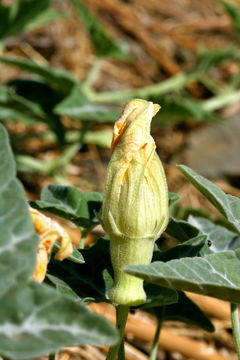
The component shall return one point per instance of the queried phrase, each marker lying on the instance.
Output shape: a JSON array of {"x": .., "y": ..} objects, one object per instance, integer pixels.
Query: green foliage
[
  {"x": 78, "y": 106},
  {"x": 15, "y": 107},
  {"x": 213, "y": 275},
  {"x": 220, "y": 238},
  {"x": 215, "y": 271},
  {"x": 94, "y": 278},
  {"x": 71, "y": 204},
  {"x": 38, "y": 319},
  {"x": 46, "y": 17},
  {"x": 16, "y": 17},
  {"x": 234, "y": 13},
  {"x": 181, "y": 310},
  {"x": 188, "y": 248},
  {"x": 63, "y": 288},
  {"x": 209, "y": 59},
  {"x": 91, "y": 279},
  {"x": 76, "y": 256},
  {"x": 50, "y": 167},
  {"x": 228, "y": 205},
  {"x": 176, "y": 108},
  {"x": 181, "y": 230},
  {"x": 61, "y": 80},
  {"x": 158, "y": 296},
  {"x": 104, "y": 44}
]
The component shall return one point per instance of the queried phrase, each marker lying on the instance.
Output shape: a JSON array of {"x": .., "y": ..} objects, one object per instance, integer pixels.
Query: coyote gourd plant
[
  {"x": 134, "y": 213},
  {"x": 135, "y": 201}
]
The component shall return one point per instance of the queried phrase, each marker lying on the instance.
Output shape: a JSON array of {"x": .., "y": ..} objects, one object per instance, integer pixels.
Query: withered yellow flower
[
  {"x": 50, "y": 232},
  {"x": 135, "y": 202}
]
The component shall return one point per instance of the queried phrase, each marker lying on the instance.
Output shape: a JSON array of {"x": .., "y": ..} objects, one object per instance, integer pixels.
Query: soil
[{"x": 164, "y": 38}]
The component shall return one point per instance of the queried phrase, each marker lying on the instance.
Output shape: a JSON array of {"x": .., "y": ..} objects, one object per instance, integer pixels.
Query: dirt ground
[{"x": 164, "y": 38}]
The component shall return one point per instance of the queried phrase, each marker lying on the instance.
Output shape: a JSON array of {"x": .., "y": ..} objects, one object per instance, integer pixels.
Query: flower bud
[{"x": 135, "y": 201}]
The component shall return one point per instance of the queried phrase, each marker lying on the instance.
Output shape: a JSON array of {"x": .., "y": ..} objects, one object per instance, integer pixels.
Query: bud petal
[
  {"x": 50, "y": 232},
  {"x": 135, "y": 204}
]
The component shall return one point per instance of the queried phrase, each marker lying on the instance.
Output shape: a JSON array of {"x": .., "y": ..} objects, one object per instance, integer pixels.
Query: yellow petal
[{"x": 41, "y": 265}]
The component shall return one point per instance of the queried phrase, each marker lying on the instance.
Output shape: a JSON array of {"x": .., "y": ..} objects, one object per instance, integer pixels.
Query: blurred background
[{"x": 68, "y": 67}]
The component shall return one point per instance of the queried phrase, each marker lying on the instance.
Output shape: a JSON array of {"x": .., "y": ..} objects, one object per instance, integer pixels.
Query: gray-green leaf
[
  {"x": 215, "y": 275},
  {"x": 71, "y": 204},
  {"x": 34, "y": 318},
  {"x": 16, "y": 17},
  {"x": 220, "y": 238},
  {"x": 228, "y": 205},
  {"x": 59, "y": 79},
  {"x": 104, "y": 44},
  {"x": 78, "y": 106}
]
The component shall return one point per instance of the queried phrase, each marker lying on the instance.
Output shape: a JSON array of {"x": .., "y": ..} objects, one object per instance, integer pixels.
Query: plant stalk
[
  {"x": 154, "y": 348},
  {"x": 92, "y": 76},
  {"x": 236, "y": 327},
  {"x": 222, "y": 100},
  {"x": 176, "y": 82},
  {"x": 118, "y": 349}
]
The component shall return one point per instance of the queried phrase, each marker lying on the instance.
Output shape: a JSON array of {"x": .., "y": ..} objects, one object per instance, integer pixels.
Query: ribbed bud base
[{"x": 127, "y": 289}]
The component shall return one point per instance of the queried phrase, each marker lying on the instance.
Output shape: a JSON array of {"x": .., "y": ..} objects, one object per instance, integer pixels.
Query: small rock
[{"x": 214, "y": 151}]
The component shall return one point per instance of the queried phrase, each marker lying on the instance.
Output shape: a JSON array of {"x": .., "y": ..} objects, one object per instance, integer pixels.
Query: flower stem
[
  {"x": 154, "y": 348},
  {"x": 52, "y": 356},
  {"x": 236, "y": 327},
  {"x": 118, "y": 349}
]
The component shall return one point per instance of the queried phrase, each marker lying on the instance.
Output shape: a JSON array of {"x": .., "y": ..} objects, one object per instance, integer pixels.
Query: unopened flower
[
  {"x": 135, "y": 202},
  {"x": 49, "y": 232}
]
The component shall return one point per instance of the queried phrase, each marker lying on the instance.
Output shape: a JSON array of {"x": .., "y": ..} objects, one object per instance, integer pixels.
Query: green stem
[
  {"x": 236, "y": 327},
  {"x": 121, "y": 351},
  {"x": 154, "y": 348},
  {"x": 118, "y": 349},
  {"x": 176, "y": 82},
  {"x": 93, "y": 73},
  {"x": 218, "y": 102},
  {"x": 52, "y": 356}
]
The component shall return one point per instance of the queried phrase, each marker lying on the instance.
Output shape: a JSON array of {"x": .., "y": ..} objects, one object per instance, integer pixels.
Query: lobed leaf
[
  {"x": 95, "y": 277},
  {"x": 158, "y": 296},
  {"x": 175, "y": 109},
  {"x": 234, "y": 13},
  {"x": 70, "y": 203},
  {"x": 209, "y": 59},
  {"x": 104, "y": 44},
  {"x": 37, "y": 319},
  {"x": 220, "y": 238},
  {"x": 18, "y": 240},
  {"x": 76, "y": 256},
  {"x": 46, "y": 17},
  {"x": 20, "y": 14},
  {"x": 228, "y": 205},
  {"x": 60, "y": 79},
  {"x": 63, "y": 288},
  {"x": 91, "y": 279},
  {"x": 181, "y": 230},
  {"x": 78, "y": 106},
  {"x": 214, "y": 275},
  {"x": 15, "y": 107}
]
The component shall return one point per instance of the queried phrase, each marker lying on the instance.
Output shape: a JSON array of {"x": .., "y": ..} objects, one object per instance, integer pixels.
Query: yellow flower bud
[{"x": 135, "y": 202}]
